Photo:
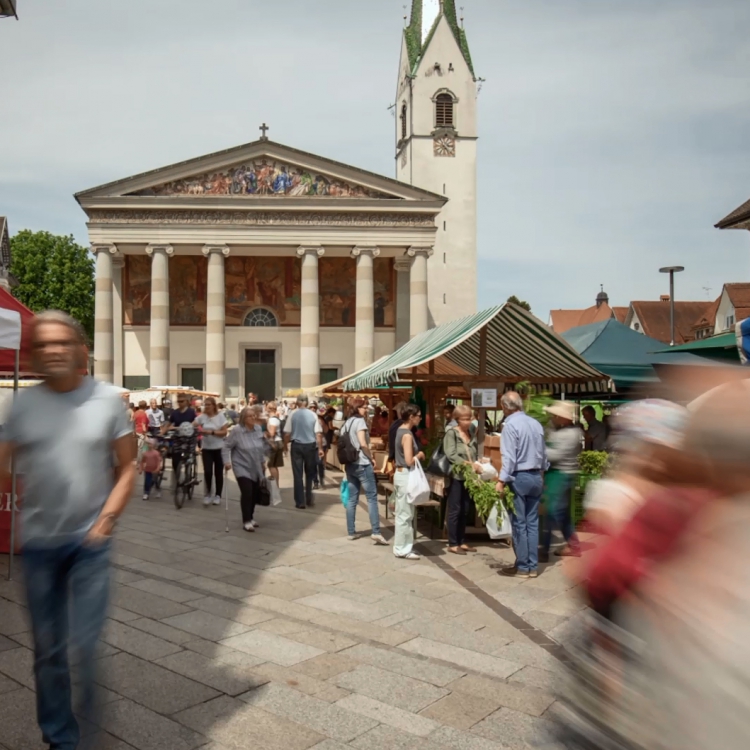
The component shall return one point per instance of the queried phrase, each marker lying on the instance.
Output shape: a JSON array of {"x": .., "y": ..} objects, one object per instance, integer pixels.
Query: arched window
[
  {"x": 260, "y": 318},
  {"x": 403, "y": 121},
  {"x": 444, "y": 111}
]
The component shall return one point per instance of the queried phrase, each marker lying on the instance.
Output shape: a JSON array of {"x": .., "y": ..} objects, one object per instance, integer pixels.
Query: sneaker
[
  {"x": 316, "y": 486},
  {"x": 533, "y": 574},
  {"x": 145, "y": 495},
  {"x": 248, "y": 526},
  {"x": 379, "y": 539},
  {"x": 207, "y": 500},
  {"x": 255, "y": 524},
  {"x": 217, "y": 499},
  {"x": 352, "y": 537},
  {"x": 410, "y": 556},
  {"x": 514, "y": 572}
]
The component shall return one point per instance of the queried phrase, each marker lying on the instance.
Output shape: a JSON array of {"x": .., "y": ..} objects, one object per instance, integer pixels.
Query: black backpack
[{"x": 346, "y": 450}]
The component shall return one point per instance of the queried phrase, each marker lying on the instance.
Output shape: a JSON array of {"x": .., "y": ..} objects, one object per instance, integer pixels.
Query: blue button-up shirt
[{"x": 522, "y": 445}]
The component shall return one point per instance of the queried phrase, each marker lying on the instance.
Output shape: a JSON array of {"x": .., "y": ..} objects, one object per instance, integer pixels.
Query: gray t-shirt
[
  {"x": 65, "y": 458},
  {"x": 211, "y": 442},
  {"x": 353, "y": 427},
  {"x": 301, "y": 426}
]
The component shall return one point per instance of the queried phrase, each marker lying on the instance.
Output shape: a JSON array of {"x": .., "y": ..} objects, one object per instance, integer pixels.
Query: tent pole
[{"x": 13, "y": 481}]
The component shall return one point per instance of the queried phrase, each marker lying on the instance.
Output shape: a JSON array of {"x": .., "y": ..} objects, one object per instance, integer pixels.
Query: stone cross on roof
[{"x": 264, "y": 129}]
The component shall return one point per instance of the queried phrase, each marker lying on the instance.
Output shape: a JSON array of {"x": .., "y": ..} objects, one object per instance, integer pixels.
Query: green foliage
[
  {"x": 515, "y": 301},
  {"x": 54, "y": 272},
  {"x": 483, "y": 494},
  {"x": 534, "y": 403},
  {"x": 593, "y": 463}
]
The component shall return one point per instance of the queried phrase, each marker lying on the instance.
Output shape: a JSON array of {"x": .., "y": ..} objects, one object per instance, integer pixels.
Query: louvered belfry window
[
  {"x": 403, "y": 121},
  {"x": 444, "y": 111}
]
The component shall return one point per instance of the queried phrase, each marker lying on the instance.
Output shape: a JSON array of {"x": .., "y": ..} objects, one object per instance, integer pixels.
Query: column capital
[
  {"x": 303, "y": 250},
  {"x": 118, "y": 261},
  {"x": 111, "y": 249},
  {"x": 155, "y": 247},
  {"x": 370, "y": 250},
  {"x": 415, "y": 250},
  {"x": 402, "y": 263},
  {"x": 223, "y": 249}
]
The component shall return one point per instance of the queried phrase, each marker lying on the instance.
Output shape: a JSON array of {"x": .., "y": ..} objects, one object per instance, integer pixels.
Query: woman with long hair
[
  {"x": 406, "y": 456},
  {"x": 276, "y": 441},
  {"x": 460, "y": 446},
  {"x": 213, "y": 424},
  {"x": 245, "y": 452}
]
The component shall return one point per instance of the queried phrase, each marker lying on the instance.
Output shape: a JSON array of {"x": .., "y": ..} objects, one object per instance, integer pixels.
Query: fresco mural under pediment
[
  {"x": 188, "y": 276},
  {"x": 136, "y": 290},
  {"x": 266, "y": 177}
]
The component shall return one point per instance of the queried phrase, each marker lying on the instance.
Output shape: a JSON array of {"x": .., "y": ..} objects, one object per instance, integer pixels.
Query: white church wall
[
  {"x": 187, "y": 348},
  {"x": 136, "y": 352}
]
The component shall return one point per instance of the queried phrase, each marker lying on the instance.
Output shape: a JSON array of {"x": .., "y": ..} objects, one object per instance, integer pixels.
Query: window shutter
[{"x": 444, "y": 111}]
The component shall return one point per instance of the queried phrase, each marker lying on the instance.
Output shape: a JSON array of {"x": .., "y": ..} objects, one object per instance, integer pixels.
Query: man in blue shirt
[
  {"x": 305, "y": 433},
  {"x": 524, "y": 461}
]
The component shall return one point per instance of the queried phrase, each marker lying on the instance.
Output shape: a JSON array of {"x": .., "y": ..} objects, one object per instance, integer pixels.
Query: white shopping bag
[
  {"x": 501, "y": 530},
  {"x": 418, "y": 489},
  {"x": 273, "y": 488}
]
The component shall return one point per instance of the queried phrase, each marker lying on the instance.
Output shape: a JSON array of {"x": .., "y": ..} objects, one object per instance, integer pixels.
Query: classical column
[
  {"x": 403, "y": 299},
  {"x": 103, "y": 314},
  {"x": 418, "y": 312},
  {"x": 310, "y": 317},
  {"x": 215, "y": 314},
  {"x": 159, "y": 359},
  {"x": 364, "y": 332},
  {"x": 117, "y": 266}
]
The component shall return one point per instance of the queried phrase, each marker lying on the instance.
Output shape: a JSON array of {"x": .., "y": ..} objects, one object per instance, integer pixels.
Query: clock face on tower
[{"x": 444, "y": 145}]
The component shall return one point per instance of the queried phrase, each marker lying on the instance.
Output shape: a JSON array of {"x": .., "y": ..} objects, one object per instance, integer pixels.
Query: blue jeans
[
  {"x": 67, "y": 589},
  {"x": 148, "y": 482},
  {"x": 558, "y": 514},
  {"x": 362, "y": 476},
  {"x": 527, "y": 488}
]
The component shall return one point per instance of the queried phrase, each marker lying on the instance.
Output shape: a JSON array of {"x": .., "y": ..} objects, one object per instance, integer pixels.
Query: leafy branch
[{"x": 483, "y": 494}]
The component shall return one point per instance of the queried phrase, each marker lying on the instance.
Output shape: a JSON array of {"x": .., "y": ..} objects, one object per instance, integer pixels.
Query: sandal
[
  {"x": 467, "y": 548},
  {"x": 456, "y": 550}
]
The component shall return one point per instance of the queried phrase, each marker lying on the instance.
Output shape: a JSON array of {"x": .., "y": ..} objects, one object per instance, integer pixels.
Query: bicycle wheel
[
  {"x": 180, "y": 490},
  {"x": 158, "y": 479},
  {"x": 190, "y": 480}
]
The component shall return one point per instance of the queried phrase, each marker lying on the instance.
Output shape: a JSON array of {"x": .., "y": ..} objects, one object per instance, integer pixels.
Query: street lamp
[
  {"x": 8, "y": 9},
  {"x": 671, "y": 270}
]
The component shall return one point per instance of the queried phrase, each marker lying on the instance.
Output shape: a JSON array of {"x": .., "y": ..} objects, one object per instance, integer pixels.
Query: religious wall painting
[
  {"x": 263, "y": 177},
  {"x": 187, "y": 290},
  {"x": 338, "y": 292},
  {"x": 136, "y": 290},
  {"x": 384, "y": 275},
  {"x": 273, "y": 283}
]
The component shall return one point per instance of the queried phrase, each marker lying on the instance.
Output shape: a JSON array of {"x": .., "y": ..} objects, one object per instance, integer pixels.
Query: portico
[{"x": 258, "y": 257}]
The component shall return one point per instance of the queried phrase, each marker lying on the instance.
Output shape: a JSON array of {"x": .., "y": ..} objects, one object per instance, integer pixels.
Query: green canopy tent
[
  {"x": 628, "y": 357},
  {"x": 721, "y": 348}
]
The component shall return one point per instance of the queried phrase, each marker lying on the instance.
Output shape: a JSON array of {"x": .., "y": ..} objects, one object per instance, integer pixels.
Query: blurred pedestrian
[
  {"x": 149, "y": 464},
  {"x": 245, "y": 452},
  {"x": 155, "y": 418},
  {"x": 406, "y": 456},
  {"x": 562, "y": 454},
  {"x": 524, "y": 457},
  {"x": 276, "y": 440},
  {"x": 213, "y": 426},
  {"x": 596, "y": 432},
  {"x": 64, "y": 434}
]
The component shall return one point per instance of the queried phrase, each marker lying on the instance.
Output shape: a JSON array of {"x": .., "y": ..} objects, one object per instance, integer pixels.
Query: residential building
[
  {"x": 652, "y": 318},
  {"x": 563, "y": 320}
]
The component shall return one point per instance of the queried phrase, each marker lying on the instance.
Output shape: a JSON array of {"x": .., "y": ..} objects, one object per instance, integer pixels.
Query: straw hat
[{"x": 564, "y": 409}]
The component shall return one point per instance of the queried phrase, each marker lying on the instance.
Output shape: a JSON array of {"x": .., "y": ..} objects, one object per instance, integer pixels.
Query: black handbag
[
  {"x": 439, "y": 463},
  {"x": 264, "y": 496}
]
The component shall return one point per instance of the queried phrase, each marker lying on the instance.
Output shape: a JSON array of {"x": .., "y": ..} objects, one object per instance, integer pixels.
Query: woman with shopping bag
[{"x": 406, "y": 459}]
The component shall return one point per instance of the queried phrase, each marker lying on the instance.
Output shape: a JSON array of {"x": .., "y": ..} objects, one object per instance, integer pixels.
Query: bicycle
[
  {"x": 184, "y": 447},
  {"x": 164, "y": 448}
]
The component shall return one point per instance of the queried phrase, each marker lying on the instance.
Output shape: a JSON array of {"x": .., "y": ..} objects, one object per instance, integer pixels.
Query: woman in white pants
[{"x": 406, "y": 457}]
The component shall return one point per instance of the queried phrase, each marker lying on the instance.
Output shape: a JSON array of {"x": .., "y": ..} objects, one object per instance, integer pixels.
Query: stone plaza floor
[{"x": 294, "y": 637}]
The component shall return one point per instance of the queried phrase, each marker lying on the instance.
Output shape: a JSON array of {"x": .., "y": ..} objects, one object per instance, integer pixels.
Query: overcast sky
[{"x": 613, "y": 133}]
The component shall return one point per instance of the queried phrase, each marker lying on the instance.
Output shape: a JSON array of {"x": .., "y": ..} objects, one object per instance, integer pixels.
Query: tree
[
  {"x": 54, "y": 272},
  {"x": 515, "y": 301}
]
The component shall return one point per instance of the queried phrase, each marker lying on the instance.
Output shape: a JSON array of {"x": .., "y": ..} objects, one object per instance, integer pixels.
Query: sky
[{"x": 613, "y": 133}]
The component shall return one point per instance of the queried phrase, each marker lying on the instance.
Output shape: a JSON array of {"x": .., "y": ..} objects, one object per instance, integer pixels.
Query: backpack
[{"x": 346, "y": 451}]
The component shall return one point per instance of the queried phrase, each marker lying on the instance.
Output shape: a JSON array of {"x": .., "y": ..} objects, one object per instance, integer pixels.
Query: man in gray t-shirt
[
  {"x": 303, "y": 430},
  {"x": 74, "y": 449}
]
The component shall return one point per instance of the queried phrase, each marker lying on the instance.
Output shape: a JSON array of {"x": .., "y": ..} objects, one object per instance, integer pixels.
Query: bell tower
[{"x": 436, "y": 147}]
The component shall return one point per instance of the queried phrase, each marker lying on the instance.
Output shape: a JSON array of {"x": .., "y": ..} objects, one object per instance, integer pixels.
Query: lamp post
[
  {"x": 8, "y": 9},
  {"x": 671, "y": 270}
]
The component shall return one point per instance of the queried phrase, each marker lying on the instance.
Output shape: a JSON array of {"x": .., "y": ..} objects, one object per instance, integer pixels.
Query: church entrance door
[{"x": 260, "y": 373}]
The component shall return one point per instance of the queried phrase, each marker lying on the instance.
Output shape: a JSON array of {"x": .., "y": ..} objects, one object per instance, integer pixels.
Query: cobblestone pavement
[{"x": 294, "y": 637}]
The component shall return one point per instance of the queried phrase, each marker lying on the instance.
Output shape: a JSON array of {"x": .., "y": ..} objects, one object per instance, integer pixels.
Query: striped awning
[{"x": 519, "y": 348}]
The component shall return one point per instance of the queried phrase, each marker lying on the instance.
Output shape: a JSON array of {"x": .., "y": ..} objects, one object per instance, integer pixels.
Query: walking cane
[{"x": 226, "y": 497}]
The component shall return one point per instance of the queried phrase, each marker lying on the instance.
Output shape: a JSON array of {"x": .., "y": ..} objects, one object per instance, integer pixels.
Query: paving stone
[
  {"x": 208, "y": 626},
  {"x": 532, "y": 702},
  {"x": 515, "y": 730},
  {"x": 141, "y": 553},
  {"x": 6, "y": 684},
  {"x": 280, "y": 626},
  {"x": 455, "y": 634},
  {"x": 217, "y": 587},
  {"x": 136, "y": 642},
  {"x": 146, "y": 730},
  {"x": 543, "y": 621},
  {"x": 237, "y": 726},
  {"x": 329, "y": 745},
  {"x": 281, "y": 589},
  {"x": 13, "y": 618},
  {"x": 160, "y": 571},
  {"x": 206, "y": 569},
  {"x": 151, "y": 685},
  {"x": 216, "y": 651},
  {"x": 292, "y": 678},
  {"x": 236, "y": 611},
  {"x": 396, "y": 690},
  {"x": 121, "y": 615},
  {"x": 325, "y": 666},
  {"x": 167, "y": 590},
  {"x": 323, "y": 639},
  {"x": 393, "y": 739},
  {"x": 529, "y": 654},
  {"x": 18, "y": 664},
  {"x": 274, "y": 648},
  {"x": 550, "y": 682},
  {"x": 160, "y": 630},
  {"x": 146, "y": 604},
  {"x": 13, "y": 591},
  {"x": 395, "y": 619},
  {"x": 484, "y": 663},
  {"x": 106, "y": 741},
  {"x": 419, "y": 669},
  {"x": 452, "y": 739},
  {"x": 361, "y": 630},
  {"x": 18, "y": 727},
  {"x": 565, "y": 604},
  {"x": 125, "y": 576},
  {"x": 223, "y": 676},
  {"x": 461, "y": 710},
  {"x": 390, "y": 715},
  {"x": 341, "y": 606},
  {"x": 330, "y": 720},
  {"x": 25, "y": 639}
]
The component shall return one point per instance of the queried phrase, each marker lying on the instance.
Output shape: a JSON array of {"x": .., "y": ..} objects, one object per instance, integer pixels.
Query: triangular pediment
[{"x": 264, "y": 170}]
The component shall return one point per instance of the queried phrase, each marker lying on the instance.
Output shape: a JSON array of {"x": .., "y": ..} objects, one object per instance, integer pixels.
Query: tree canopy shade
[
  {"x": 521, "y": 303},
  {"x": 54, "y": 272}
]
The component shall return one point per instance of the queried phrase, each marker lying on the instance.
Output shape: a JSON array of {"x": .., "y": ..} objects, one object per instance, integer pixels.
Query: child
[{"x": 149, "y": 464}]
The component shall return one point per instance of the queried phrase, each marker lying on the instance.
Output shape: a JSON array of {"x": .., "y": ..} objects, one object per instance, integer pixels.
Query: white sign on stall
[{"x": 484, "y": 398}]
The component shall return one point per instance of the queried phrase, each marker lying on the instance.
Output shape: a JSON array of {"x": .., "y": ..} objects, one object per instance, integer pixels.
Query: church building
[{"x": 265, "y": 268}]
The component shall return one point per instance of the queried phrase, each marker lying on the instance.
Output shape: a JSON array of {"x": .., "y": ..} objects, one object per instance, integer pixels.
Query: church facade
[{"x": 264, "y": 268}]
